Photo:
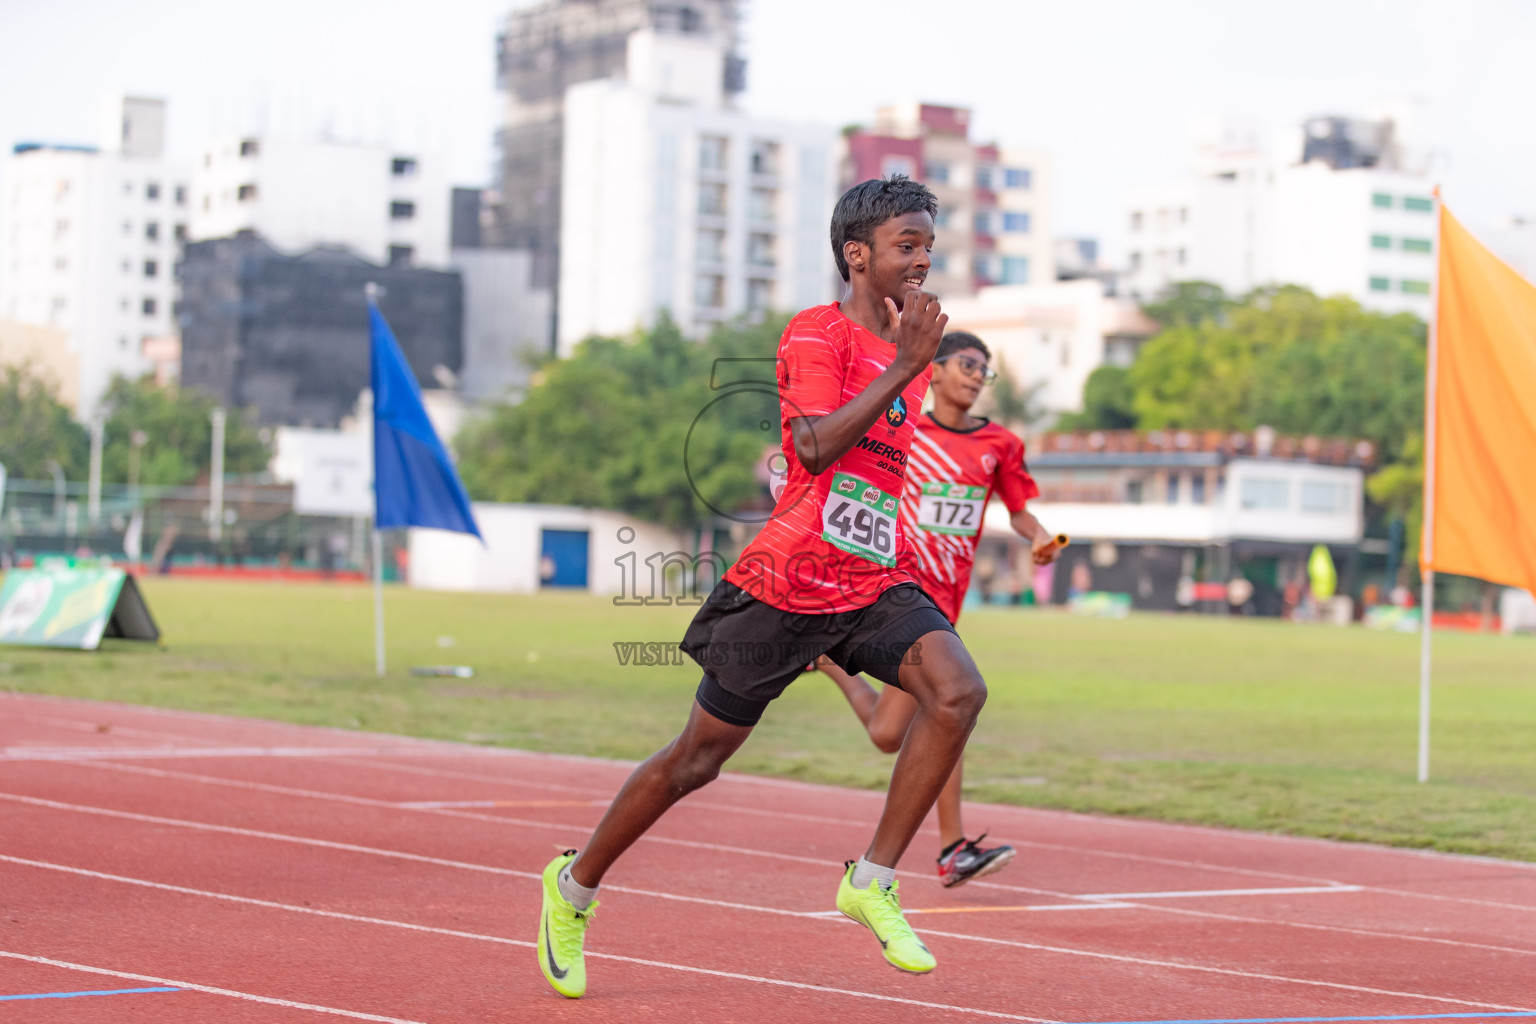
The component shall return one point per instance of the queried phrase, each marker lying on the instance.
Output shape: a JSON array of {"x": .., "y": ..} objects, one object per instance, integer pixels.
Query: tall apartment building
[
  {"x": 90, "y": 240},
  {"x": 671, "y": 200},
  {"x": 385, "y": 205},
  {"x": 542, "y": 51},
  {"x": 1346, "y": 208},
  {"x": 994, "y": 203}
]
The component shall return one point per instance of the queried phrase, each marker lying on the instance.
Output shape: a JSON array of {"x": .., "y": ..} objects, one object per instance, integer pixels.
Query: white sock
[
  {"x": 864, "y": 872},
  {"x": 576, "y": 894}
]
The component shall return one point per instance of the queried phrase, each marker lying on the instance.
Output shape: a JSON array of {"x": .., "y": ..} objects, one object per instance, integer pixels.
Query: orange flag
[{"x": 1480, "y": 492}]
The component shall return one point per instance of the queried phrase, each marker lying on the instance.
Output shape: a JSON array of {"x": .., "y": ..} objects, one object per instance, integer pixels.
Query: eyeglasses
[{"x": 971, "y": 367}]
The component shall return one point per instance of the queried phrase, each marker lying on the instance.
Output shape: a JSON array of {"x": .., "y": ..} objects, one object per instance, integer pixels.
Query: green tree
[
  {"x": 609, "y": 427},
  {"x": 1398, "y": 488},
  {"x": 36, "y": 429},
  {"x": 178, "y": 434},
  {"x": 1191, "y": 303},
  {"x": 1107, "y": 402}
]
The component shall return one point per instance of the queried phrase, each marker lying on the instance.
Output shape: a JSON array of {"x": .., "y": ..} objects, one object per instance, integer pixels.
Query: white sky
[{"x": 1109, "y": 87}]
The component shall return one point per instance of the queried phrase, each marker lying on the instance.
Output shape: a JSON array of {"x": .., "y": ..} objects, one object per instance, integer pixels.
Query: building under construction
[{"x": 542, "y": 50}]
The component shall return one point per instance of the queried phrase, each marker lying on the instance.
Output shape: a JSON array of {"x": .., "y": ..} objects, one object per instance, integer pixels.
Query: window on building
[
  {"x": 151, "y": 268},
  {"x": 401, "y": 209},
  {"x": 1263, "y": 493},
  {"x": 765, "y": 157},
  {"x": 181, "y": 195},
  {"x": 713, "y": 150},
  {"x": 250, "y": 147},
  {"x": 711, "y": 247},
  {"x": 1418, "y": 204},
  {"x": 938, "y": 263},
  {"x": 944, "y": 219},
  {"x": 759, "y": 294},
  {"x": 1381, "y": 200},
  {"x": 760, "y": 249},
  {"x": 1133, "y": 492},
  {"x": 245, "y": 194},
  {"x": 711, "y": 199},
  {"x": 1017, "y": 177},
  {"x": 709, "y": 291},
  {"x": 207, "y": 202},
  {"x": 149, "y": 306},
  {"x": 60, "y": 263},
  {"x": 1016, "y": 223},
  {"x": 1418, "y": 245},
  {"x": 1135, "y": 261},
  {"x": 1183, "y": 215},
  {"x": 1414, "y": 287},
  {"x": 1171, "y": 495},
  {"x": 1324, "y": 497},
  {"x": 890, "y": 166},
  {"x": 1197, "y": 489},
  {"x": 400, "y": 255},
  {"x": 984, "y": 178},
  {"x": 936, "y": 173},
  {"x": 762, "y": 203},
  {"x": 1015, "y": 270},
  {"x": 1381, "y": 241},
  {"x": 1136, "y": 220},
  {"x": 981, "y": 222},
  {"x": 127, "y": 267},
  {"x": 1381, "y": 284},
  {"x": 180, "y": 232},
  {"x": 403, "y": 166},
  {"x": 152, "y": 231},
  {"x": 152, "y": 191},
  {"x": 122, "y": 342},
  {"x": 981, "y": 268}
]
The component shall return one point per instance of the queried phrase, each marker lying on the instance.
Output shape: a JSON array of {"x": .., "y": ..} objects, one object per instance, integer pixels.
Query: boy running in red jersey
[
  {"x": 821, "y": 578},
  {"x": 958, "y": 462}
]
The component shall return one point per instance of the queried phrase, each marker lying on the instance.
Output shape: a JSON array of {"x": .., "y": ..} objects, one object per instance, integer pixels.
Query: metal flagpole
[
  {"x": 378, "y": 601},
  {"x": 1427, "y": 539}
]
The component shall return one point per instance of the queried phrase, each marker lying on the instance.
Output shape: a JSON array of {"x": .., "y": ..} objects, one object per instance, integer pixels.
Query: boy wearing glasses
[{"x": 958, "y": 461}]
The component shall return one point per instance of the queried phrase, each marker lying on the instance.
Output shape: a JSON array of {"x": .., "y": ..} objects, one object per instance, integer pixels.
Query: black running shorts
[{"x": 750, "y": 651}]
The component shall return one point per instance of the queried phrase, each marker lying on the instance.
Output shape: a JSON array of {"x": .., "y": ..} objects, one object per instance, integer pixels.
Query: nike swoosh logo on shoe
[{"x": 549, "y": 953}]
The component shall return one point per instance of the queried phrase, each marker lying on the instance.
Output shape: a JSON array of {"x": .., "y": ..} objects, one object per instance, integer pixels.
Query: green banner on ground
[{"x": 72, "y": 607}]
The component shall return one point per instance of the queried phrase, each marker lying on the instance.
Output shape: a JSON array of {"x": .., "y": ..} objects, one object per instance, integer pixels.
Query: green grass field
[{"x": 1309, "y": 730}]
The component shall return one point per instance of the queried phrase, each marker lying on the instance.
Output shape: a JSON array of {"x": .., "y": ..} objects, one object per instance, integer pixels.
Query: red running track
[{"x": 270, "y": 872}]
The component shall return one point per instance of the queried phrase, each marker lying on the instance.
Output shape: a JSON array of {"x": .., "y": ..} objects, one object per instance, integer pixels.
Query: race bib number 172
[
  {"x": 951, "y": 508},
  {"x": 860, "y": 518}
]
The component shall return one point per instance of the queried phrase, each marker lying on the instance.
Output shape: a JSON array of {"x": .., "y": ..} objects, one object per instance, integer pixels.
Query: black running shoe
[{"x": 967, "y": 859}]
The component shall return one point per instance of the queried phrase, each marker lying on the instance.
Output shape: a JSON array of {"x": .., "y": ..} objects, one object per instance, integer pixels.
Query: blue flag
[{"x": 414, "y": 483}]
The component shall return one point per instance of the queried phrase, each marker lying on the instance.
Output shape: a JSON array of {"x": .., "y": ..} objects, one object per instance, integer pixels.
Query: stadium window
[
  {"x": 712, "y": 152},
  {"x": 1418, "y": 245},
  {"x": 401, "y": 209},
  {"x": 711, "y": 200},
  {"x": 1017, "y": 177},
  {"x": 1418, "y": 204},
  {"x": 1381, "y": 284},
  {"x": 400, "y": 255},
  {"x": 1323, "y": 498},
  {"x": 1015, "y": 270},
  {"x": 248, "y": 147},
  {"x": 1414, "y": 287},
  {"x": 149, "y": 307},
  {"x": 1381, "y": 200},
  {"x": 151, "y": 268},
  {"x": 1381, "y": 242},
  {"x": 1264, "y": 493},
  {"x": 936, "y": 173},
  {"x": 152, "y": 191},
  {"x": 403, "y": 167},
  {"x": 246, "y": 194},
  {"x": 1016, "y": 223}
]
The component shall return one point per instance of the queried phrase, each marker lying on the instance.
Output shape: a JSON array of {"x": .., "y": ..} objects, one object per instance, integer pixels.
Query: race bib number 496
[
  {"x": 860, "y": 518},
  {"x": 951, "y": 508}
]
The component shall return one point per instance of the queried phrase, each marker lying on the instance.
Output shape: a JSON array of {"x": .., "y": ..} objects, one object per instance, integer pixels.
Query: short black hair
[
  {"x": 871, "y": 203},
  {"x": 959, "y": 341}
]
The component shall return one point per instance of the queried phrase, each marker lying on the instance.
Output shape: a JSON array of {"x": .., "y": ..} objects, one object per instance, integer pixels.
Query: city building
[
  {"x": 288, "y": 335},
  {"x": 1345, "y": 207},
  {"x": 674, "y": 201},
  {"x": 542, "y": 51},
  {"x": 90, "y": 239},
  {"x": 385, "y": 205},
  {"x": 1513, "y": 240},
  {"x": 994, "y": 203},
  {"x": 1051, "y": 336},
  {"x": 1172, "y": 517}
]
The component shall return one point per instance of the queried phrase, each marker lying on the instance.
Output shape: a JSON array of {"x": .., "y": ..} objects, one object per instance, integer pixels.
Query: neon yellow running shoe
[
  {"x": 562, "y": 929},
  {"x": 879, "y": 910}
]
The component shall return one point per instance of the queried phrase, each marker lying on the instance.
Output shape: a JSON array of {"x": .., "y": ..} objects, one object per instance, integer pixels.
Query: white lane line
[
  {"x": 479, "y": 937},
  {"x": 88, "y": 754},
  {"x": 1230, "y": 972},
  {"x": 193, "y": 986},
  {"x": 1195, "y": 893}
]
